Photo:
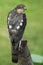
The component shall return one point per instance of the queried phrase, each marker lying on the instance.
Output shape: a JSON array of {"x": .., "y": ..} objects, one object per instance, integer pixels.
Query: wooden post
[{"x": 24, "y": 56}]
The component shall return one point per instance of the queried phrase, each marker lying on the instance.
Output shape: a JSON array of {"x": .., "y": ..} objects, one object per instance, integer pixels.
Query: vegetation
[{"x": 33, "y": 32}]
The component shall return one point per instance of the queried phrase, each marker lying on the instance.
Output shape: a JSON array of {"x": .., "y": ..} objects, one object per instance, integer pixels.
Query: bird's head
[{"x": 20, "y": 8}]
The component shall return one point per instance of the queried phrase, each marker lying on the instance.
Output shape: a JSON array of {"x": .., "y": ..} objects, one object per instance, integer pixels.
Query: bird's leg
[{"x": 19, "y": 46}]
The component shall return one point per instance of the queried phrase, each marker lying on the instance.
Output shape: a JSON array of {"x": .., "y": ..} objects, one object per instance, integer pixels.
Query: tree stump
[{"x": 24, "y": 56}]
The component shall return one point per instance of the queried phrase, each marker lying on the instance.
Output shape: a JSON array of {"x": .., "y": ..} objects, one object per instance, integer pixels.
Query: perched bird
[{"x": 16, "y": 22}]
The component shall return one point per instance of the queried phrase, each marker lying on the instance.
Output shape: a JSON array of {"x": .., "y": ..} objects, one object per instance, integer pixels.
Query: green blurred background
[{"x": 33, "y": 32}]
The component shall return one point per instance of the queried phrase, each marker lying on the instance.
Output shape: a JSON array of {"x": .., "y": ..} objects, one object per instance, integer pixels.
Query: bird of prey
[{"x": 16, "y": 22}]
